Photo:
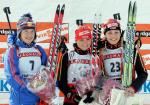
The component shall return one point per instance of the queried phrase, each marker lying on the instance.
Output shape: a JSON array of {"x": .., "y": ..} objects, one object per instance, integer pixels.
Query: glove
[
  {"x": 74, "y": 97},
  {"x": 89, "y": 98},
  {"x": 62, "y": 47}
]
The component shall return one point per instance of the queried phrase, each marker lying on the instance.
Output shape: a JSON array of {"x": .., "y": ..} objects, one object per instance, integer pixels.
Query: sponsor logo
[
  {"x": 7, "y": 31},
  {"x": 4, "y": 86},
  {"x": 142, "y": 33},
  {"x": 145, "y": 88},
  {"x": 146, "y": 59}
]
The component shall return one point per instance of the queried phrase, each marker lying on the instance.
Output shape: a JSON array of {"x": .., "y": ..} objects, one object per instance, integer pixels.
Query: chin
[{"x": 113, "y": 43}]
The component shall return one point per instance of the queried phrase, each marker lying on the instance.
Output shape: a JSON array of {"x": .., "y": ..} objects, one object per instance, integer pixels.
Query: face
[
  {"x": 84, "y": 44},
  {"x": 113, "y": 36},
  {"x": 27, "y": 35}
]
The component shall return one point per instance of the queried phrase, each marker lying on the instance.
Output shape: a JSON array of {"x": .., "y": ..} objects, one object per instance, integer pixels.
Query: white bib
[
  {"x": 29, "y": 61},
  {"x": 80, "y": 66},
  {"x": 113, "y": 62}
]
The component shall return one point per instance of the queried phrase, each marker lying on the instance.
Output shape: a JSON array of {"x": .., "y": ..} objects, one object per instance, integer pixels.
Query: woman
[
  {"x": 75, "y": 65},
  {"x": 23, "y": 61},
  {"x": 111, "y": 55}
]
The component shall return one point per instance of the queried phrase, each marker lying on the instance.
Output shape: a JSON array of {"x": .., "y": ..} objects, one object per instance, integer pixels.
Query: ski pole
[{"x": 7, "y": 11}]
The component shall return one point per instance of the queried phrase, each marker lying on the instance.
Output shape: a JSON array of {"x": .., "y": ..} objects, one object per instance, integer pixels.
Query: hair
[{"x": 25, "y": 22}]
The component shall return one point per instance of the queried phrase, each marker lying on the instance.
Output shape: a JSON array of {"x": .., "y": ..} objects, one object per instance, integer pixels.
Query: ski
[
  {"x": 55, "y": 40},
  {"x": 129, "y": 46},
  {"x": 96, "y": 32}
]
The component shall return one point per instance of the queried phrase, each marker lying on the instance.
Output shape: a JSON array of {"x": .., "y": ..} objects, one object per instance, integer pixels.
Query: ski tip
[
  {"x": 134, "y": 2},
  {"x": 63, "y": 8},
  {"x": 130, "y": 2},
  {"x": 58, "y": 6},
  {"x": 58, "y": 9},
  {"x": 134, "y": 5},
  {"x": 99, "y": 16},
  {"x": 130, "y": 11},
  {"x": 134, "y": 11}
]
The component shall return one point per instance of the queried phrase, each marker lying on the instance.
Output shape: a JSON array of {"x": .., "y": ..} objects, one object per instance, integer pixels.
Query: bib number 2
[{"x": 115, "y": 66}]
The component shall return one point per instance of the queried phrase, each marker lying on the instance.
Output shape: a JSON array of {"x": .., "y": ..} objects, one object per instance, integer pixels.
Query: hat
[
  {"x": 25, "y": 22},
  {"x": 111, "y": 24},
  {"x": 83, "y": 32}
]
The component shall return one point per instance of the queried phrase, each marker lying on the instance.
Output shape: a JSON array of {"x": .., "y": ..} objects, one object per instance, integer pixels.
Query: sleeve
[
  {"x": 12, "y": 71},
  {"x": 141, "y": 74},
  {"x": 43, "y": 56},
  {"x": 11, "y": 39},
  {"x": 62, "y": 82}
]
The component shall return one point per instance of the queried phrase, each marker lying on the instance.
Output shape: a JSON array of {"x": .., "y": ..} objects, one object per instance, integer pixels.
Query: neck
[{"x": 114, "y": 46}]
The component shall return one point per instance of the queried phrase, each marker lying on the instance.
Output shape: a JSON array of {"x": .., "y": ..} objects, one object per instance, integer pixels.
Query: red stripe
[{"x": 12, "y": 67}]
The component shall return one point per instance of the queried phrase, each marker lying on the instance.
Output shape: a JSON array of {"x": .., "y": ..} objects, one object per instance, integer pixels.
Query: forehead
[
  {"x": 85, "y": 39},
  {"x": 28, "y": 29},
  {"x": 110, "y": 31}
]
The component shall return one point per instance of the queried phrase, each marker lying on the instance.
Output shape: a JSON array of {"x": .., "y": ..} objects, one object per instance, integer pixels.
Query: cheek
[{"x": 87, "y": 43}]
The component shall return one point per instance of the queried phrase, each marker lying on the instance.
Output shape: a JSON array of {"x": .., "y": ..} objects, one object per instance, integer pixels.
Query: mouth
[
  {"x": 113, "y": 39},
  {"x": 29, "y": 38}
]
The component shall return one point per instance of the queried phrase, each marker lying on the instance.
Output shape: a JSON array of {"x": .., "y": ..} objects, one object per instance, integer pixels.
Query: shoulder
[
  {"x": 12, "y": 48},
  {"x": 11, "y": 52},
  {"x": 40, "y": 48}
]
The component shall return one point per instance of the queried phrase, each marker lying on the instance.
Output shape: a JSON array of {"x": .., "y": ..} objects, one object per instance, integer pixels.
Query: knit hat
[
  {"x": 111, "y": 24},
  {"x": 25, "y": 22},
  {"x": 83, "y": 32}
]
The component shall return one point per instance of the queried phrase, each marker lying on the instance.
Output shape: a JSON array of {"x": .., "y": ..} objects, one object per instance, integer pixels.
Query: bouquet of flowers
[
  {"x": 43, "y": 85},
  {"x": 86, "y": 84},
  {"x": 108, "y": 85}
]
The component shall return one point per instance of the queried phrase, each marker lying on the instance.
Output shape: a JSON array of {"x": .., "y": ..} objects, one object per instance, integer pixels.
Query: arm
[
  {"x": 141, "y": 74},
  {"x": 140, "y": 79},
  {"x": 43, "y": 56},
  {"x": 62, "y": 82},
  {"x": 12, "y": 71}
]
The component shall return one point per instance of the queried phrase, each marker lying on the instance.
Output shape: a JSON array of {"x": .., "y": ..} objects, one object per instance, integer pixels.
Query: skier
[
  {"x": 22, "y": 61},
  {"x": 75, "y": 65},
  {"x": 111, "y": 55}
]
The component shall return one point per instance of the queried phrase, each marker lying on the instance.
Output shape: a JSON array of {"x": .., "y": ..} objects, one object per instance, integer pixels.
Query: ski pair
[
  {"x": 96, "y": 32},
  {"x": 55, "y": 41},
  {"x": 129, "y": 46}
]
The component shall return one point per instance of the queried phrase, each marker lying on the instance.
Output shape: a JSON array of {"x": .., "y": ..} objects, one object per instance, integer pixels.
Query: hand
[
  {"x": 89, "y": 98},
  {"x": 74, "y": 96},
  {"x": 129, "y": 91},
  {"x": 62, "y": 47}
]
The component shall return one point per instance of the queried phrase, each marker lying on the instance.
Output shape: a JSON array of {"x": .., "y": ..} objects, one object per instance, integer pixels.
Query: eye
[
  {"x": 25, "y": 31},
  {"x": 109, "y": 33},
  {"x": 88, "y": 39},
  {"x": 81, "y": 40},
  {"x": 117, "y": 32}
]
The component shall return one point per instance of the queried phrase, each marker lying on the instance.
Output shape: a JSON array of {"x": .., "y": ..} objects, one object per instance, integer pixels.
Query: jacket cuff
[{"x": 135, "y": 90}]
